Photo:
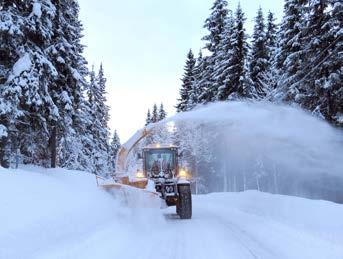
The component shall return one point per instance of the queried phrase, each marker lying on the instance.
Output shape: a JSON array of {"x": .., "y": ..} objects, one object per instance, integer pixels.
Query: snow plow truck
[{"x": 161, "y": 169}]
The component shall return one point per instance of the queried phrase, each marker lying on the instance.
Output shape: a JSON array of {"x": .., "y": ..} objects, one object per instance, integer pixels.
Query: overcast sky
[{"x": 143, "y": 45}]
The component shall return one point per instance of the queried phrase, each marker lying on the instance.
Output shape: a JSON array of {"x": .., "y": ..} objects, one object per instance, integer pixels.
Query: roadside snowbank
[
  {"x": 318, "y": 218},
  {"x": 42, "y": 208}
]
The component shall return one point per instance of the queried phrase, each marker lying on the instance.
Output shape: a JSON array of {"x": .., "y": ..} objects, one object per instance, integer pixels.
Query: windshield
[{"x": 160, "y": 163}]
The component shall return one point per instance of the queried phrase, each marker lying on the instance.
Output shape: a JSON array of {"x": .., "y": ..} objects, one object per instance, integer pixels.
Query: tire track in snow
[{"x": 256, "y": 249}]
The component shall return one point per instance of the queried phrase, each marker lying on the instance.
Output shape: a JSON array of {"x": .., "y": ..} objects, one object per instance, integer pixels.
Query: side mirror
[
  {"x": 180, "y": 154},
  {"x": 139, "y": 156}
]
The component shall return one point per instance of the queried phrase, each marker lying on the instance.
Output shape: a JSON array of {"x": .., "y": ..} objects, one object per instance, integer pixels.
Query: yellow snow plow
[
  {"x": 161, "y": 177},
  {"x": 130, "y": 195}
]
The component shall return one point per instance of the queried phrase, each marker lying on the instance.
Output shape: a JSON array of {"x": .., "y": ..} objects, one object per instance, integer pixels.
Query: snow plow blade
[{"x": 131, "y": 194}]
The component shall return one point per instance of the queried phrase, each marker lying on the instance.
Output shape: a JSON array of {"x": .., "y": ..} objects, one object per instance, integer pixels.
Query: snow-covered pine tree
[
  {"x": 202, "y": 83},
  {"x": 187, "y": 81},
  {"x": 270, "y": 76},
  {"x": 99, "y": 117},
  {"x": 114, "y": 148},
  {"x": 215, "y": 24},
  {"x": 162, "y": 114},
  {"x": 271, "y": 37},
  {"x": 237, "y": 72},
  {"x": 11, "y": 35},
  {"x": 194, "y": 95},
  {"x": 259, "y": 56},
  {"x": 66, "y": 53},
  {"x": 320, "y": 90},
  {"x": 290, "y": 57},
  {"x": 26, "y": 32},
  {"x": 333, "y": 104},
  {"x": 101, "y": 80},
  {"x": 148, "y": 118},
  {"x": 154, "y": 117},
  {"x": 222, "y": 66}
]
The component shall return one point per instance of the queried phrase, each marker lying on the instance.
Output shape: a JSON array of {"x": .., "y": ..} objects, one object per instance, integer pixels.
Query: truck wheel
[{"x": 184, "y": 203}]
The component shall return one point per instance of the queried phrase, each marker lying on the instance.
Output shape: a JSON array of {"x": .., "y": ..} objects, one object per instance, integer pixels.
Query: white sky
[{"x": 143, "y": 45}]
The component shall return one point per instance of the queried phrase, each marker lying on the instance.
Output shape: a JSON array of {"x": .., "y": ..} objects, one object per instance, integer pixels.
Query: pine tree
[
  {"x": 203, "y": 82},
  {"x": 26, "y": 75},
  {"x": 66, "y": 53},
  {"x": 332, "y": 80},
  {"x": 320, "y": 89},
  {"x": 148, "y": 118},
  {"x": 289, "y": 59},
  {"x": 237, "y": 72},
  {"x": 187, "y": 81},
  {"x": 222, "y": 68},
  {"x": 99, "y": 117},
  {"x": 271, "y": 37},
  {"x": 215, "y": 24},
  {"x": 162, "y": 113},
  {"x": 259, "y": 55},
  {"x": 101, "y": 81},
  {"x": 114, "y": 148},
  {"x": 270, "y": 76},
  {"x": 196, "y": 90},
  {"x": 154, "y": 117}
]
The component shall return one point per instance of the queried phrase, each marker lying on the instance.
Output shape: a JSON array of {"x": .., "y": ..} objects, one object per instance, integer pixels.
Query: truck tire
[{"x": 184, "y": 203}]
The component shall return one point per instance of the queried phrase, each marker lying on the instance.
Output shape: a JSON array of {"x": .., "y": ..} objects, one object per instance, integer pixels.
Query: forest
[{"x": 298, "y": 61}]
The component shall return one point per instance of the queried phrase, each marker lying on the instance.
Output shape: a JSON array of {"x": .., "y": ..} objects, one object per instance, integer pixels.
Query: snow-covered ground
[{"x": 62, "y": 214}]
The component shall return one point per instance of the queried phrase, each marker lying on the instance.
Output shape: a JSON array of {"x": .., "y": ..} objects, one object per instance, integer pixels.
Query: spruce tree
[
  {"x": 271, "y": 37},
  {"x": 222, "y": 68},
  {"x": 289, "y": 59},
  {"x": 162, "y": 113},
  {"x": 196, "y": 90},
  {"x": 154, "y": 117},
  {"x": 101, "y": 81},
  {"x": 259, "y": 55},
  {"x": 319, "y": 89},
  {"x": 270, "y": 76},
  {"x": 98, "y": 113},
  {"x": 332, "y": 81},
  {"x": 203, "y": 83},
  {"x": 114, "y": 148},
  {"x": 26, "y": 75},
  {"x": 148, "y": 118},
  {"x": 187, "y": 81},
  {"x": 215, "y": 25},
  {"x": 237, "y": 71},
  {"x": 66, "y": 53}
]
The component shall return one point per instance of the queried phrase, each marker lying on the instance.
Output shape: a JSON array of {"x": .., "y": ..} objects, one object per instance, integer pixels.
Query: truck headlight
[
  {"x": 140, "y": 174},
  {"x": 183, "y": 174}
]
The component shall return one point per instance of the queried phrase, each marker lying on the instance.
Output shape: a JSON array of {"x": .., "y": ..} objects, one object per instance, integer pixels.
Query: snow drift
[{"x": 42, "y": 208}]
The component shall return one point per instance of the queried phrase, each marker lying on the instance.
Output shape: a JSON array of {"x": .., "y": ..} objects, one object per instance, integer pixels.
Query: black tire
[{"x": 184, "y": 203}]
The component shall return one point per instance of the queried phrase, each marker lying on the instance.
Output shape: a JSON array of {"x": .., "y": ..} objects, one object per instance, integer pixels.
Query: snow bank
[
  {"x": 316, "y": 218},
  {"x": 41, "y": 209}
]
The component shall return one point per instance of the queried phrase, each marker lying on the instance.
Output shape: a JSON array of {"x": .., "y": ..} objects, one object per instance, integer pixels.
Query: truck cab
[{"x": 172, "y": 182}]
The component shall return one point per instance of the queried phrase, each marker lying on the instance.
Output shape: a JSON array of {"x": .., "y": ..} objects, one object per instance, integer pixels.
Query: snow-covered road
[
  {"x": 214, "y": 232},
  {"x": 87, "y": 223}
]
